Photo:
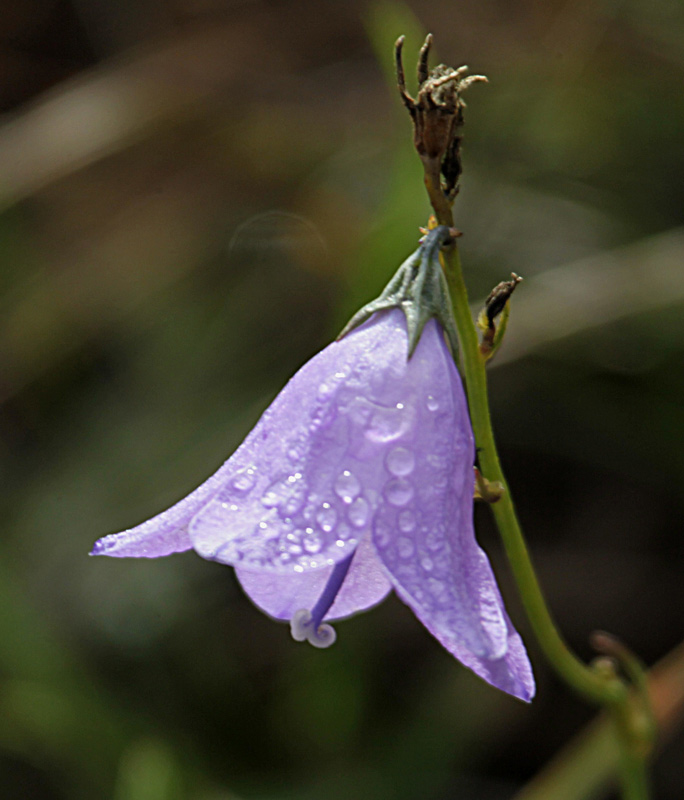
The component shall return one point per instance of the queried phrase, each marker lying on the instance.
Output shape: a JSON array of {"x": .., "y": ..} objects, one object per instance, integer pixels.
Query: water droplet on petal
[
  {"x": 405, "y": 547},
  {"x": 347, "y": 487},
  {"x": 437, "y": 588},
  {"x": 327, "y": 518},
  {"x": 358, "y": 512},
  {"x": 264, "y": 531},
  {"x": 344, "y": 532},
  {"x": 432, "y": 403},
  {"x": 275, "y": 494},
  {"x": 324, "y": 391},
  {"x": 437, "y": 461},
  {"x": 398, "y": 491},
  {"x": 387, "y": 424},
  {"x": 287, "y": 495},
  {"x": 400, "y": 461},
  {"x": 407, "y": 521},
  {"x": 383, "y": 533},
  {"x": 312, "y": 541},
  {"x": 426, "y": 563},
  {"x": 244, "y": 481},
  {"x": 433, "y": 540}
]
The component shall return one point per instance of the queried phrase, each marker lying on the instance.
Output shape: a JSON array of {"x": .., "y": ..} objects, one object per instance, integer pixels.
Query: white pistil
[{"x": 303, "y": 629}]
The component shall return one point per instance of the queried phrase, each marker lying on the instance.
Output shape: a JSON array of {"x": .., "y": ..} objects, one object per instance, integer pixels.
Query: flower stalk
[
  {"x": 625, "y": 704},
  {"x": 604, "y": 688}
]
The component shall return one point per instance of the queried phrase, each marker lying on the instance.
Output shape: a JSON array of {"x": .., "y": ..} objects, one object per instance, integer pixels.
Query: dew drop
[
  {"x": 437, "y": 461},
  {"x": 426, "y": 563},
  {"x": 405, "y": 547},
  {"x": 358, "y": 512},
  {"x": 327, "y": 518},
  {"x": 243, "y": 482},
  {"x": 264, "y": 531},
  {"x": 387, "y": 424},
  {"x": 324, "y": 391},
  {"x": 432, "y": 403},
  {"x": 433, "y": 540},
  {"x": 312, "y": 541},
  {"x": 400, "y": 461},
  {"x": 347, "y": 487},
  {"x": 275, "y": 494},
  {"x": 398, "y": 491},
  {"x": 437, "y": 588},
  {"x": 344, "y": 532},
  {"x": 407, "y": 521},
  {"x": 292, "y": 505},
  {"x": 383, "y": 534}
]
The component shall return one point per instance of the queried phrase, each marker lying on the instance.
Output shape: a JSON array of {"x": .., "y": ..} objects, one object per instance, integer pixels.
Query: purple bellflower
[{"x": 358, "y": 479}]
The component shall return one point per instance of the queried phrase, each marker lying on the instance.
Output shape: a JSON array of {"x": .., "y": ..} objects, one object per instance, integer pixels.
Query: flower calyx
[
  {"x": 437, "y": 116},
  {"x": 419, "y": 289}
]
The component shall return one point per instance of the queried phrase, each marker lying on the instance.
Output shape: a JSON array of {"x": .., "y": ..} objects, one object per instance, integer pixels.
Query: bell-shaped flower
[{"x": 358, "y": 479}]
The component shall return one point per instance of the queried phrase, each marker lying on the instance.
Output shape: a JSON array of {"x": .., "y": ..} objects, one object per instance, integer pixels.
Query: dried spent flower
[
  {"x": 358, "y": 479},
  {"x": 496, "y": 304},
  {"x": 437, "y": 115}
]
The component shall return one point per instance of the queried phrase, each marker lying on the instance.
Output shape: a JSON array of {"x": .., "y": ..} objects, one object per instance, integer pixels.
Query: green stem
[
  {"x": 602, "y": 687},
  {"x": 634, "y": 726},
  {"x": 633, "y": 775},
  {"x": 581, "y": 677}
]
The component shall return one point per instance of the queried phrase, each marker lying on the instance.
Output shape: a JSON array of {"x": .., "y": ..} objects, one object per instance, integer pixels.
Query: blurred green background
[{"x": 194, "y": 196}]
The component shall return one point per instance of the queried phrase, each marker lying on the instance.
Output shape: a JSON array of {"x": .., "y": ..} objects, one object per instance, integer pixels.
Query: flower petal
[
  {"x": 512, "y": 673},
  {"x": 282, "y": 596},
  {"x": 423, "y": 528},
  {"x": 314, "y": 461},
  {"x": 165, "y": 533}
]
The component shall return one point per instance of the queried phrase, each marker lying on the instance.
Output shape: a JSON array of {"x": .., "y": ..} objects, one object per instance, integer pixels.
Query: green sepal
[{"x": 419, "y": 289}]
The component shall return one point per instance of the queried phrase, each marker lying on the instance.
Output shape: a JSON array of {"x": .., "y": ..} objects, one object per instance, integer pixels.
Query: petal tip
[
  {"x": 526, "y": 693},
  {"x": 103, "y": 546}
]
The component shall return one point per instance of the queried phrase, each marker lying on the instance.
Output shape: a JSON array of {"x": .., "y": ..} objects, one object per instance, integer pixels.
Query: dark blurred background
[{"x": 194, "y": 195}]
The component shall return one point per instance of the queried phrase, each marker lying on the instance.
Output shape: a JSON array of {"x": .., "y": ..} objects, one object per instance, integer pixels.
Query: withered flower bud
[
  {"x": 437, "y": 115},
  {"x": 499, "y": 296}
]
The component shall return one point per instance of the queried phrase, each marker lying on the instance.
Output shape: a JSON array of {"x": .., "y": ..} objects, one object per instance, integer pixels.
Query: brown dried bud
[
  {"x": 498, "y": 297},
  {"x": 437, "y": 115}
]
